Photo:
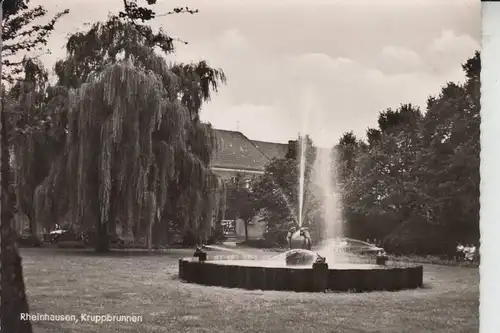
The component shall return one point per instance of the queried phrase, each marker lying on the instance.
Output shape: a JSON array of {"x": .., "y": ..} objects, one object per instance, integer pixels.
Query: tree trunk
[
  {"x": 150, "y": 235},
  {"x": 160, "y": 232},
  {"x": 102, "y": 230},
  {"x": 13, "y": 296},
  {"x": 149, "y": 231},
  {"x": 152, "y": 218},
  {"x": 245, "y": 222},
  {"x": 33, "y": 226},
  {"x": 112, "y": 226},
  {"x": 12, "y": 290},
  {"x": 102, "y": 237}
]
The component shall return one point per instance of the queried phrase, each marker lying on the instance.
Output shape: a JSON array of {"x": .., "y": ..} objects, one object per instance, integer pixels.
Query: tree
[
  {"x": 451, "y": 135},
  {"x": 416, "y": 180},
  {"x": 20, "y": 35},
  {"x": 37, "y": 128},
  {"x": 277, "y": 192},
  {"x": 121, "y": 149},
  {"x": 15, "y": 15},
  {"x": 349, "y": 151},
  {"x": 373, "y": 136},
  {"x": 346, "y": 153},
  {"x": 379, "y": 183}
]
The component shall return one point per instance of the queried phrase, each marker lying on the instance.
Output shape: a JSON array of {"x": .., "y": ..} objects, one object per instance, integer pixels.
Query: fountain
[
  {"x": 299, "y": 270},
  {"x": 337, "y": 263}
]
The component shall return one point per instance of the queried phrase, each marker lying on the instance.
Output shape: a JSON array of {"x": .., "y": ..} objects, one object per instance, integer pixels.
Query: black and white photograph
[{"x": 241, "y": 166}]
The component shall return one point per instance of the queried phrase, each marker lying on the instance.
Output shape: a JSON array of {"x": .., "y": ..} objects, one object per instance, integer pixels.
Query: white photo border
[{"x": 490, "y": 169}]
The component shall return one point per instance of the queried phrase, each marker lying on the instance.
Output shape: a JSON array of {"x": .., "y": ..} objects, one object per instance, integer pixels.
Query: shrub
[
  {"x": 258, "y": 243},
  {"x": 29, "y": 240},
  {"x": 217, "y": 236},
  {"x": 70, "y": 244},
  {"x": 418, "y": 238},
  {"x": 189, "y": 239},
  {"x": 276, "y": 237}
]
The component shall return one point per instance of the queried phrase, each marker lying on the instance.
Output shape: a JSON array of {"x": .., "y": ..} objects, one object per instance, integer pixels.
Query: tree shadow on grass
[{"x": 113, "y": 253}]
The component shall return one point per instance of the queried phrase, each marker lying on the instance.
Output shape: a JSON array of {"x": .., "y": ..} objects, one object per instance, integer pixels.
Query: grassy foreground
[{"x": 74, "y": 282}]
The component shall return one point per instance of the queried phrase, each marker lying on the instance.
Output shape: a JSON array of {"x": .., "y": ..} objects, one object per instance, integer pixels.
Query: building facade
[{"x": 236, "y": 155}]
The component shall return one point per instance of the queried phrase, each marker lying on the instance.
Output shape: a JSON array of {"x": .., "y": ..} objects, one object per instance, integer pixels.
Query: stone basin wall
[{"x": 316, "y": 279}]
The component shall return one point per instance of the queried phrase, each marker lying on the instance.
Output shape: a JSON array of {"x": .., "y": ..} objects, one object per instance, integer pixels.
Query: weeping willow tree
[
  {"x": 136, "y": 150},
  {"x": 37, "y": 127}
]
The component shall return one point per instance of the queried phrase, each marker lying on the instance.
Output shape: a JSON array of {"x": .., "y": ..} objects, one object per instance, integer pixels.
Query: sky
[{"x": 322, "y": 67}]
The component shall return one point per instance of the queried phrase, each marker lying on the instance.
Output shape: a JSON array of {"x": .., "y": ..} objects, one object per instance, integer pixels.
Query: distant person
[
  {"x": 470, "y": 253},
  {"x": 461, "y": 251}
]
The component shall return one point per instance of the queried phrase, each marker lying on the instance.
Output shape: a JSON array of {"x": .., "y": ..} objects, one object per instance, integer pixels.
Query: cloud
[
  {"x": 340, "y": 62},
  {"x": 233, "y": 39},
  {"x": 449, "y": 42},
  {"x": 337, "y": 94},
  {"x": 252, "y": 120},
  {"x": 269, "y": 94},
  {"x": 396, "y": 59},
  {"x": 448, "y": 51},
  {"x": 311, "y": 63}
]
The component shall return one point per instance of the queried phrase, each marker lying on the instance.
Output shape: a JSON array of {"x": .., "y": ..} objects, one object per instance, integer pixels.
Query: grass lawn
[{"x": 71, "y": 282}]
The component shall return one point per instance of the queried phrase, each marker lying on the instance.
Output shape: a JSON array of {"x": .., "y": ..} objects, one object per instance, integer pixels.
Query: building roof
[
  {"x": 236, "y": 151},
  {"x": 272, "y": 149}
]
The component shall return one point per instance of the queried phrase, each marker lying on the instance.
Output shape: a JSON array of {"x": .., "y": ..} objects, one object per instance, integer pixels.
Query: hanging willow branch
[
  {"x": 36, "y": 125},
  {"x": 123, "y": 132},
  {"x": 133, "y": 131}
]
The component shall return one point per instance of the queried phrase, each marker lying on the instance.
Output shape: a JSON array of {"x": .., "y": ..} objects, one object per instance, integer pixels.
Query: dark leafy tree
[
  {"x": 169, "y": 149},
  {"x": 451, "y": 135},
  {"x": 416, "y": 181},
  {"x": 373, "y": 136},
  {"x": 346, "y": 154},
  {"x": 37, "y": 123},
  {"x": 19, "y": 35},
  {"x": 276, "y": 192}
]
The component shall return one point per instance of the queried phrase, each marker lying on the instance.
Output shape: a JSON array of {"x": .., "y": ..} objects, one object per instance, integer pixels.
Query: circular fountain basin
[{"x": 249, "y": 273}]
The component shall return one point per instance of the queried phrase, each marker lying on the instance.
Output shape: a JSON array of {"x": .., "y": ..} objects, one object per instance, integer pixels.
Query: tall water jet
[
  {"x": 324, "y": 174},
  {"x": 322, "y": 185},
  {"x": 307, "y": 107},
  {"x": 302, "y": 176}
]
